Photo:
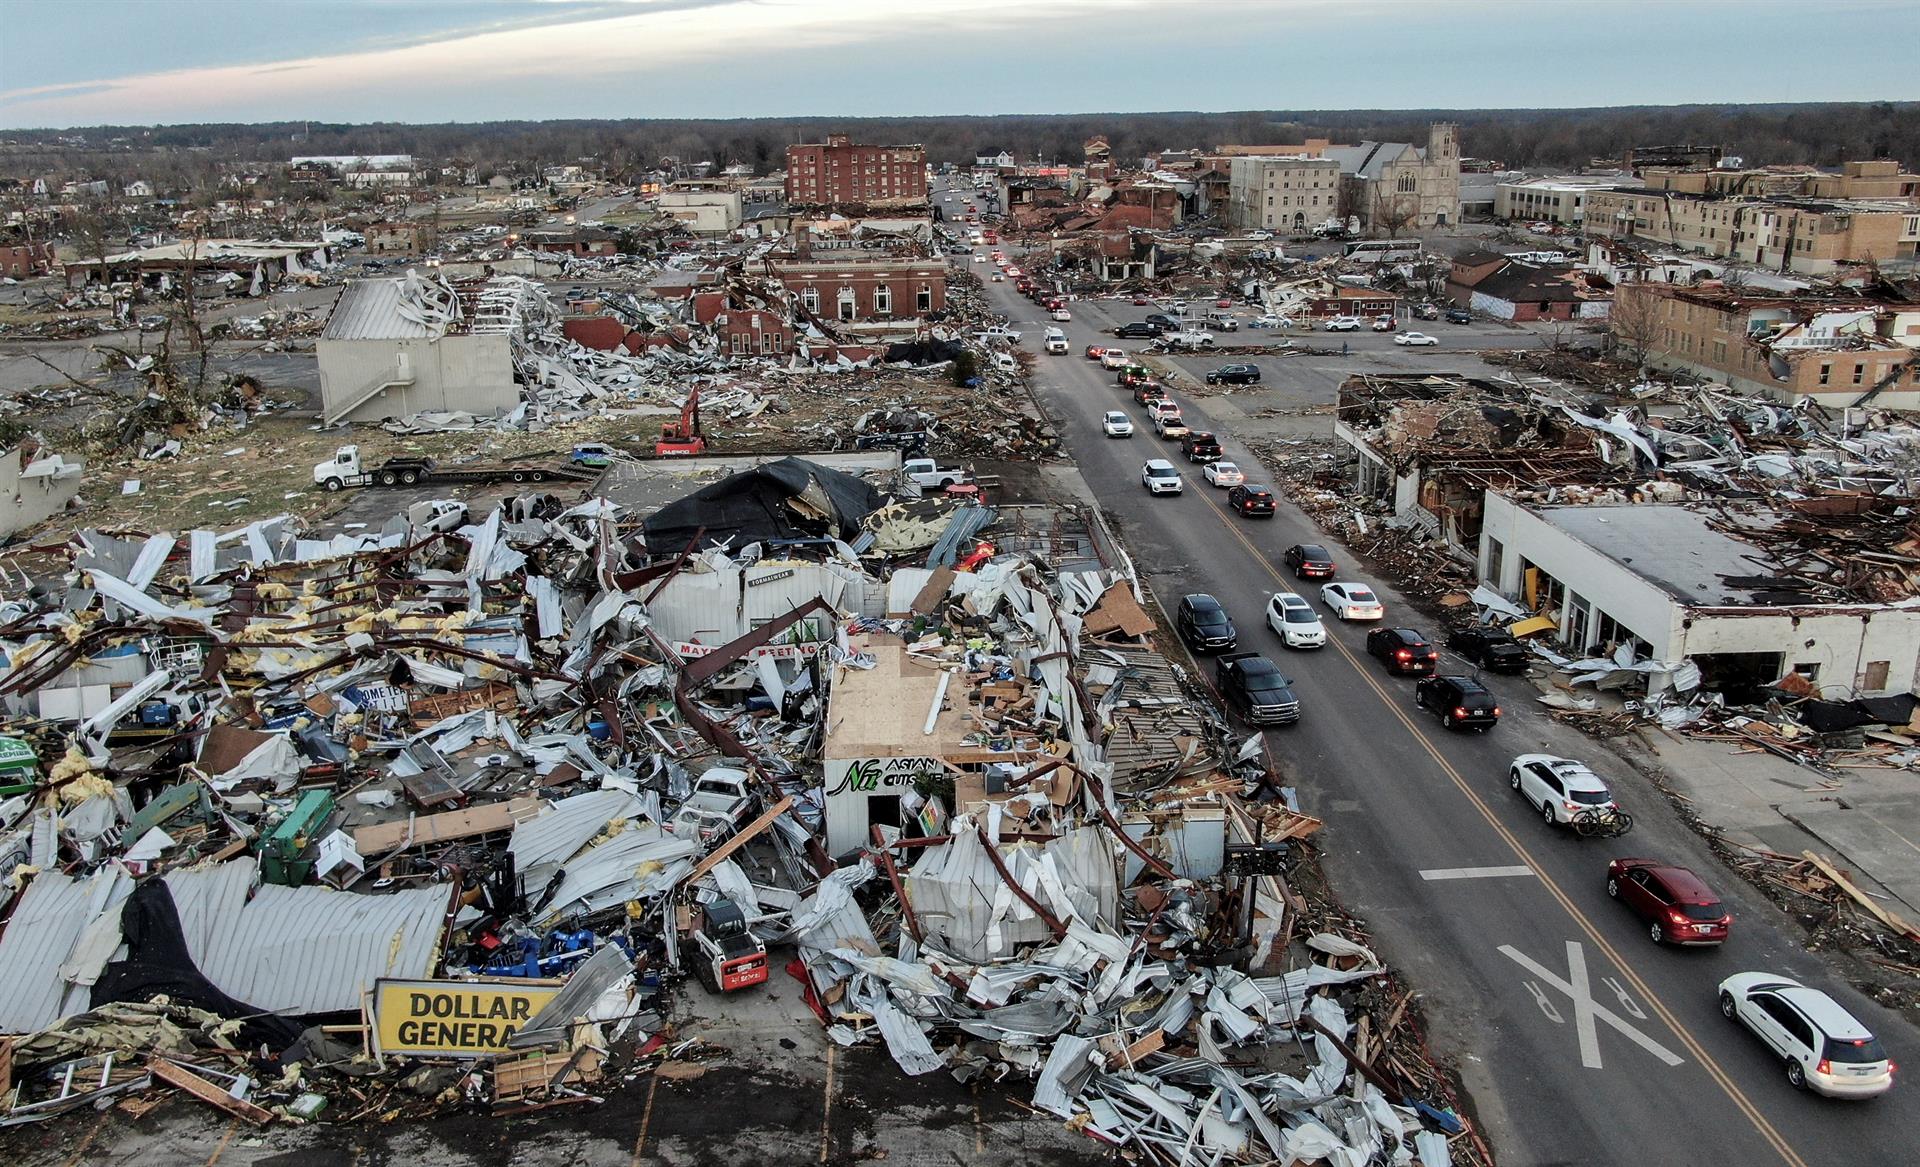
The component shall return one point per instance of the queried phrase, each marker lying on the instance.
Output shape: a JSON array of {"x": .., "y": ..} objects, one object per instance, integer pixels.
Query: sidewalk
[{"x": 1867, "y": 821}]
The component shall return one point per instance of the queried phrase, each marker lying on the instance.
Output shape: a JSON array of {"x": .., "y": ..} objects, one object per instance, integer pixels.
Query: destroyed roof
[
  {"x": 1368, "y": 158},
  {"x": 382, "y": 309},
  {"x": 1674, "y": 547},
  {"x": 789, "y": 499},
  {"x": 1518, "y": 281}
]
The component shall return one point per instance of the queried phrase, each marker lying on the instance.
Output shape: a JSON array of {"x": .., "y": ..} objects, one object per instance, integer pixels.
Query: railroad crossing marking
[
  {"x": 1585, "y": 1009},
  {"x": 1433, "y": 873}
]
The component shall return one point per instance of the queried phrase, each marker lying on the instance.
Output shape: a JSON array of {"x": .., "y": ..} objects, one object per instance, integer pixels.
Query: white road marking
[
  {"x": 1586, "y": 1010},
  {"x": 1626, "y": 1002},
  {"x": 1474, "y": 872},
  {"x": 1546, "y": 1005}
]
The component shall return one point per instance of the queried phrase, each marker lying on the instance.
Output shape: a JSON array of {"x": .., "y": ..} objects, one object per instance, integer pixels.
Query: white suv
[
  {"x": 1161, "y": 477},
  {"x": 1344, "y": 324},
  {"x": 1295, "y": 622},
  {"x": 1825, "y": 1048},
  {"x": 1558, "y": 787}
]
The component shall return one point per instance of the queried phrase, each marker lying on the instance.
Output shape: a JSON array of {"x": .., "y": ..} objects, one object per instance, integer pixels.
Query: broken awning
[{"x": 1533, "y": 626}]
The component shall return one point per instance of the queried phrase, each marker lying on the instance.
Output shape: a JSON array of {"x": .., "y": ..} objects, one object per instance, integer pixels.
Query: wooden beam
[
  {"x": 178, "y": 1076},
  {"x": 740, "y": 840},
  {"x": 1892, "y": 920}
]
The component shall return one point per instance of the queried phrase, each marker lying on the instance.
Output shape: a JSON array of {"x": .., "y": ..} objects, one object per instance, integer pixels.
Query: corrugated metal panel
[
  {"x": 206, "y": 898},
  {"x": 54, "y": 913},
  {"x": 370, "y": 310},
  {"x": 542, "y": 844},
  {"x": 313, "y": 950}
]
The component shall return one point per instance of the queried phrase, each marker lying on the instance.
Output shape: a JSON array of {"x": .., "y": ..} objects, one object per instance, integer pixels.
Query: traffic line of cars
[{"x": 1823, "y": 1047}]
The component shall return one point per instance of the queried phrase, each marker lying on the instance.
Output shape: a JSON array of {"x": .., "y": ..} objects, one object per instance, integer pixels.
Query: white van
[{"x": 1055, "y": 341}]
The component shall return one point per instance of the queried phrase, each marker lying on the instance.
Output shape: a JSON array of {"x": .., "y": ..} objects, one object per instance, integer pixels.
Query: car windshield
[
  {"x": 1225, "y": 468},
  {"x": 1590, "y": 797},
  {"x": 1855, "y": 1050},
  {"x": 1163, "y": 471},
  {"x": 1301, "y": 616},
  {"x": 1703, "y": 911},
  {"x": 1313, "y": 552},
  {"x": 1360, "y": 596}
]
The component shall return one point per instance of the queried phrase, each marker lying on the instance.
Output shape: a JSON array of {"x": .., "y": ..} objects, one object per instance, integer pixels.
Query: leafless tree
[{"x": 1634, "y": 321}]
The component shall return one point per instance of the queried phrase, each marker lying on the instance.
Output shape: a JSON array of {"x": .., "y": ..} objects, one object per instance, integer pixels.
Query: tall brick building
[{"x": 840, "y": 172}]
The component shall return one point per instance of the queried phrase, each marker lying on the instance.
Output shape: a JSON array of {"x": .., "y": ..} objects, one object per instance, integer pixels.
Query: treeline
[{"x": 1821, "y": 134}]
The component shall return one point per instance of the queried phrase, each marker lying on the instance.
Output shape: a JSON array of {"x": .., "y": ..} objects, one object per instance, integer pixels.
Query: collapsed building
[
  {"x": 1693, "y": 539},
  {"x": 261, "y": 783}
]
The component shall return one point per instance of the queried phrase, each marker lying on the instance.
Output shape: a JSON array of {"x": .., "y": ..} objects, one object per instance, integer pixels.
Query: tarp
[
  {"x": 789, "y": 499},
  {"x": 158, "y": 964}
]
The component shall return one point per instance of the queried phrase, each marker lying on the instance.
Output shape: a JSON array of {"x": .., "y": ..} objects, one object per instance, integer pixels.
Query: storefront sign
[{"x": 453, "y": 1018}]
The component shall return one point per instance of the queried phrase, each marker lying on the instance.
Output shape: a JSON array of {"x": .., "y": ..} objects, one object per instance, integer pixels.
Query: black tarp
[
  {"x": 789, "y": 499},
  {"x": 158, "y": 964}
]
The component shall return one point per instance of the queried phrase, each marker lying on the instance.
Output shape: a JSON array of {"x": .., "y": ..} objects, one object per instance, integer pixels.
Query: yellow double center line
[{"x": 1726, "y": 1083}]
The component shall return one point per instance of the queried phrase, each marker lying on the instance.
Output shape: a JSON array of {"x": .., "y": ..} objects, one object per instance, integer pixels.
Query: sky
[{"x": 152, "y": 62}]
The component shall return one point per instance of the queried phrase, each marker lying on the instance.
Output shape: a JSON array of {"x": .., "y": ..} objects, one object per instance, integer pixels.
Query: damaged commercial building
[
  {"x": 395, "y": 347},
  {"x": 1836, "y": 347}
]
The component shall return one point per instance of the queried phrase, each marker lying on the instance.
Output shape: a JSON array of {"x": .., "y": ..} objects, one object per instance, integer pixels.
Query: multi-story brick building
[
  {"x": 839, "y": 172},
  {"x": 21, "y": 260},
  {"x": 1838, "y": 351},
  {"x": 1287, "y": 194},
  {"x": 857, "y": 290},
  {"x": 1804, "y": 235},
  {"x": 744, "y": 328}
]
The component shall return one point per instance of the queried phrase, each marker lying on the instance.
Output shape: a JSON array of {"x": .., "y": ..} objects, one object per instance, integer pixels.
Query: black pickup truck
[{"x": 1256, "y": 689}]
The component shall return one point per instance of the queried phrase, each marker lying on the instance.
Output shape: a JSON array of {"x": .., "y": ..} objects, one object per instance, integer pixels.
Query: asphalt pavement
[{"x": 1579, "y": 1041}]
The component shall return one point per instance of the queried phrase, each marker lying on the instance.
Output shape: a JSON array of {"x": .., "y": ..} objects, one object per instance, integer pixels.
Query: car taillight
[
  {"x": 1825, "y": 1067},
  {"x": 1571, "y": 806},
  {"x": 1460, "y": 711},
  {"x": 1496, "y": 711},
  {"x": 1433, "y": 656},
  {"x": 1403, "y": 654}
]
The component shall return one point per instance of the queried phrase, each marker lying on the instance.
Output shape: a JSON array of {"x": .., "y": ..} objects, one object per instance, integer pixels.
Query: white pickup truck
[
  {"x": 998, "y": 332},
  {"x": 929, "y": 473},
  {"x": 1191, "y": 338},
  {"x": 720, "y": 804}
]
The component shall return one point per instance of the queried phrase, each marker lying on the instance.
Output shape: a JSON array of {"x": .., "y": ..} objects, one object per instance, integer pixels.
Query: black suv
[
  {"x": 1256, "y": 688},
  {"x": 1459, "y": 316},
  {"x": 1164, "y": 322},
  {"x": 1403, "y": 651},
  {"x": 1139, "y": 328},
  {"x": 1234, "y": 375},
  {"x": 1309, "y": 561},
  {"x": 1493, "y": 649},
  {"x": 1204, "y": 624},
  {"x": 1458, "y": 701},
  {"x": 1200, "y": 446},
  {"x": 1252, "y": 500}
]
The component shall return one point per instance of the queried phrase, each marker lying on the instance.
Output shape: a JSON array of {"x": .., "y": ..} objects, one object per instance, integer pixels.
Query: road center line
[
  {"x": 1738, "y": 1097},
  {"x": 1474, "y": 872}
]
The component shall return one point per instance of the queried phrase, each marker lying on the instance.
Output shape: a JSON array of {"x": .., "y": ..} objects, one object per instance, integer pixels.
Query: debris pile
[{"x": 438, "y": 817}]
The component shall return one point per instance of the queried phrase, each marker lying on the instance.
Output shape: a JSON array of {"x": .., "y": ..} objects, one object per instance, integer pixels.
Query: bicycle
[{"x": 1601, "y": 822}]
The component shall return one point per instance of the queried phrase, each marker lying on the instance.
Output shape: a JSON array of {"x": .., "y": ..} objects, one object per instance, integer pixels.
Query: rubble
[{"x": 400, "y": 822}]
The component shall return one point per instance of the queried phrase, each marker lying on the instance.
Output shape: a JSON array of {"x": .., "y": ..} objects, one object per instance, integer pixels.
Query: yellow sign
[{"x": 453, "y": 1018}]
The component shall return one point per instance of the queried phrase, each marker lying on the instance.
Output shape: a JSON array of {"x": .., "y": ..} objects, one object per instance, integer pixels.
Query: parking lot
[{"x": 1301, "y": 373}]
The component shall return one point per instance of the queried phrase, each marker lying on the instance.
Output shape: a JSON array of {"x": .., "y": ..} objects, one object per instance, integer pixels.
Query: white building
[
  {"x": 396, "y": 347},
  {"x": 1664, "y": 578},
  {"x": 705, "y": 212},
  {"x": 1552, "y": 200}
]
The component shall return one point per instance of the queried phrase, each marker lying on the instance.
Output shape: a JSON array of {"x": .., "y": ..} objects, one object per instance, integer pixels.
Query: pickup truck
[
  {"x": 721, "y": 803},
  {"x": 986, "y": 335},
  {"x": 929, "y": 473},
  {"x": 1191, "y": 338},
  {"x": 1253, "y": 687},
  {"x": 1221, "y": 321}
]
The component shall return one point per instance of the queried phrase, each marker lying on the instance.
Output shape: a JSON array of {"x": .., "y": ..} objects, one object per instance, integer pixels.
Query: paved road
[{"x": 1579, "y": 1041}]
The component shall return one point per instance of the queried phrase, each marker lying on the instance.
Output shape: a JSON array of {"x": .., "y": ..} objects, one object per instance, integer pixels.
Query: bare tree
[
  {"x": 1634, "y": 321},
  {"x": 1395, "y": 213}
]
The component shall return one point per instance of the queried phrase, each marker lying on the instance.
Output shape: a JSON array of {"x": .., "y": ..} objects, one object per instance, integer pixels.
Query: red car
[
  {"x": 1140, "y": 301},
  {"x": 1096, "y": 351},
  {"x": 1679, "y": 908},
  {"x": 1223, "y": 302}
]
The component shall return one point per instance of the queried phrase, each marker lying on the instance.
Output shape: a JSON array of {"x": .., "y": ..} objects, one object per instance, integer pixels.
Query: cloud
[{"x": 639, "y": 40}]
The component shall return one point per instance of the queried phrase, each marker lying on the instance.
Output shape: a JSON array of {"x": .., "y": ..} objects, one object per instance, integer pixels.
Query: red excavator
[{"x": 682, "y": 438}]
